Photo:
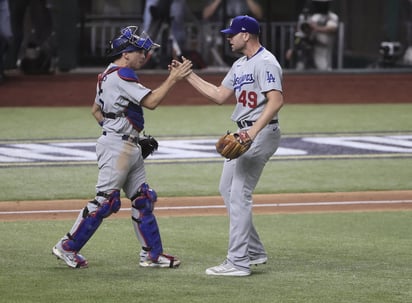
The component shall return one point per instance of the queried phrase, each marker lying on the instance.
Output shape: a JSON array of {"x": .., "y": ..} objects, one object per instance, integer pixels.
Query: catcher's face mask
[{"x": 129, "y": 41}]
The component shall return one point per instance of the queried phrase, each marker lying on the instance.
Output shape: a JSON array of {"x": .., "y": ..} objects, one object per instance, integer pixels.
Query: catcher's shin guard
[
  {"x": 144, "y": 221},
  {"x": 90, "y": 219}
]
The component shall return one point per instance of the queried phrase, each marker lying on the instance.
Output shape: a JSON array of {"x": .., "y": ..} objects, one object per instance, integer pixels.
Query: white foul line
[{"x": 300, "y": 204}]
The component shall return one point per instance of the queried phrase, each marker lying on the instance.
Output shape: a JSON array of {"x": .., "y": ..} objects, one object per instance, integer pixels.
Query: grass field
[
  {"x": 342, "y": 257},
  {"x": 77, "y": 122},
  {"x": 31, "y": 183},
  {"x": 329, "y": 257}
]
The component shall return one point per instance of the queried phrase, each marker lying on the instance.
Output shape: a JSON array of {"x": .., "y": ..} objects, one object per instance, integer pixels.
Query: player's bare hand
[
  {"x": 180, "y": 70},
  {"x": 174, "y": 63}
]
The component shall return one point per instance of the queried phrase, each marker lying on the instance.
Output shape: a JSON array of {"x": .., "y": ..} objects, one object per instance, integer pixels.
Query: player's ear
[{"x": 125, "y": 56}]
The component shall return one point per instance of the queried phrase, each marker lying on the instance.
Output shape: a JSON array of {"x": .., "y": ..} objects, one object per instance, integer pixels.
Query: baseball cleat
[
  {"x": 163, "y": 261},
  {"x": 258, "y": 260},
  {"x": 72, "y": 259},
  {"x": 227, "y": 269}
]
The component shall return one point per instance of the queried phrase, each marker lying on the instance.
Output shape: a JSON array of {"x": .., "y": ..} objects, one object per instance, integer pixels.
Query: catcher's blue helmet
[{"x": 129, "y": 41}]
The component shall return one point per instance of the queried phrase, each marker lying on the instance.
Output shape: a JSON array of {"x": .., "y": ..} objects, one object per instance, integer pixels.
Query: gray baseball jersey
[
  {"x": 114, "y": 92},
  {"x": 120, "y": 162},
  {"x": 250, "y": 79}
]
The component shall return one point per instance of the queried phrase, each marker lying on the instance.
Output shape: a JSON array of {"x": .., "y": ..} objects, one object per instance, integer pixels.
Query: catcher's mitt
[
  {"x": 233, "y": 145},
  {"x": 148, "y": 145}
]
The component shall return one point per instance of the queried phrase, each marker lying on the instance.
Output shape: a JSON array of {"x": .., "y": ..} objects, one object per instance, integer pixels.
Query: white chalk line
[{"x": 168, "y": 208}]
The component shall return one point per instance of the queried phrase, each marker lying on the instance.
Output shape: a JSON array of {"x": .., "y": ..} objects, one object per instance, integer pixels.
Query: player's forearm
[
  {"x": 272, "y": 107},
  {"x": 152, "y": 100},
  {"x": 177, "y": 73},
  {"x": 207, "y": 89},
  {"x": 97, "y": 113}
]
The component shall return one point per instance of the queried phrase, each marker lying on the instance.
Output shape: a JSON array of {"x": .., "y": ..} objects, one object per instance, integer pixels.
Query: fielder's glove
[
  {"x": 233, "y": 145},
  {"x": 148, "y": 145}
]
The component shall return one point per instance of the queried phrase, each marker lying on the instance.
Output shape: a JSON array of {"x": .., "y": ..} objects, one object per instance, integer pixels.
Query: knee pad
[
  {"x": 144, "y": 221},
  {"x": 146, "y": 191},
  {"x": 110, "y": 205},
  {"x": 90, "y": 219}
]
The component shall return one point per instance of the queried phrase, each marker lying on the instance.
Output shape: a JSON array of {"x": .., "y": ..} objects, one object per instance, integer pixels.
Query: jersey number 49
[{"x": 248, "y": 99}]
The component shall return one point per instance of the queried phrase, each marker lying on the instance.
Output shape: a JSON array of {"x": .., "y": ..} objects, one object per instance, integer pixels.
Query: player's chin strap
[
  {"x": 90, "y": 219},
  {"x": 144, "y": 221}
]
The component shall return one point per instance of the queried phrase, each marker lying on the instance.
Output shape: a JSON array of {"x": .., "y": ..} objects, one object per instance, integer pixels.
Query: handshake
[{"x": 180, "y": 69}]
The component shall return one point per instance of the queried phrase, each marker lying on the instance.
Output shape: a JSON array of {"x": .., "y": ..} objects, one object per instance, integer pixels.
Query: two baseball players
[{"x": 255, "y": 80}]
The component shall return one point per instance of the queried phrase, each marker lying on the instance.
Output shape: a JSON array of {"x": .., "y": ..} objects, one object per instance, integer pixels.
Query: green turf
[
  {"x": 77, "y": 122},
  {"x": 74, "y": 182},
  {"x": 341, "y": 257},
  {"x": 28, "y": 183}
]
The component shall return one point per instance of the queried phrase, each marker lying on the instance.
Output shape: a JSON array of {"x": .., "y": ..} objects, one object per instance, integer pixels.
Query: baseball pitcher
[{"x": 255, "y": 80}]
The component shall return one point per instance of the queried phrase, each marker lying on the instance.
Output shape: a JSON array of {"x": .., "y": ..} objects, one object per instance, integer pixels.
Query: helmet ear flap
[{"x": 116, "y": 46}]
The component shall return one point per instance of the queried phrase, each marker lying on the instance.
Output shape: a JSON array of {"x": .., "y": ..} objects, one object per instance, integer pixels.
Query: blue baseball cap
[{"x": 242, "y": 24}]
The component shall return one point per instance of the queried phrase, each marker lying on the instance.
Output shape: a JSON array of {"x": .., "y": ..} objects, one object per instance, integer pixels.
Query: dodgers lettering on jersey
[
  {"x": 239, "y": 81},
  {"x": 250, "y": 79}
]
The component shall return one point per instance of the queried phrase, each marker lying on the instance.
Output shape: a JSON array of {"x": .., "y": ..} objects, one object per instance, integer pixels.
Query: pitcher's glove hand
[
  {"x": 148, "y": 145},
  {"x": 233, "y": 145}
]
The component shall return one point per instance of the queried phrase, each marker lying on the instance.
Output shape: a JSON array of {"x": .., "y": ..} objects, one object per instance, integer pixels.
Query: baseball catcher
[
  {"x": 118, "y": 108},
  {"x": 233, "y": 145}
]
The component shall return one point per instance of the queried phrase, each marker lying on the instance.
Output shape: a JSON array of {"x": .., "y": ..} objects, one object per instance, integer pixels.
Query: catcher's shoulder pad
[{"x": 127, "y": 74}]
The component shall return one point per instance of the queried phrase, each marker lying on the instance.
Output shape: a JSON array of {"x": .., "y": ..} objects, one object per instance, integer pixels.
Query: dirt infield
[
  {"x": 205, "y": 206},
  {"x": 79, "y": 90}
]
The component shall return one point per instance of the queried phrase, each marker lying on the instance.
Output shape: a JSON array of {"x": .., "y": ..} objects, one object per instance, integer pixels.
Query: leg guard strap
[{"x": 90, "y": 219}]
